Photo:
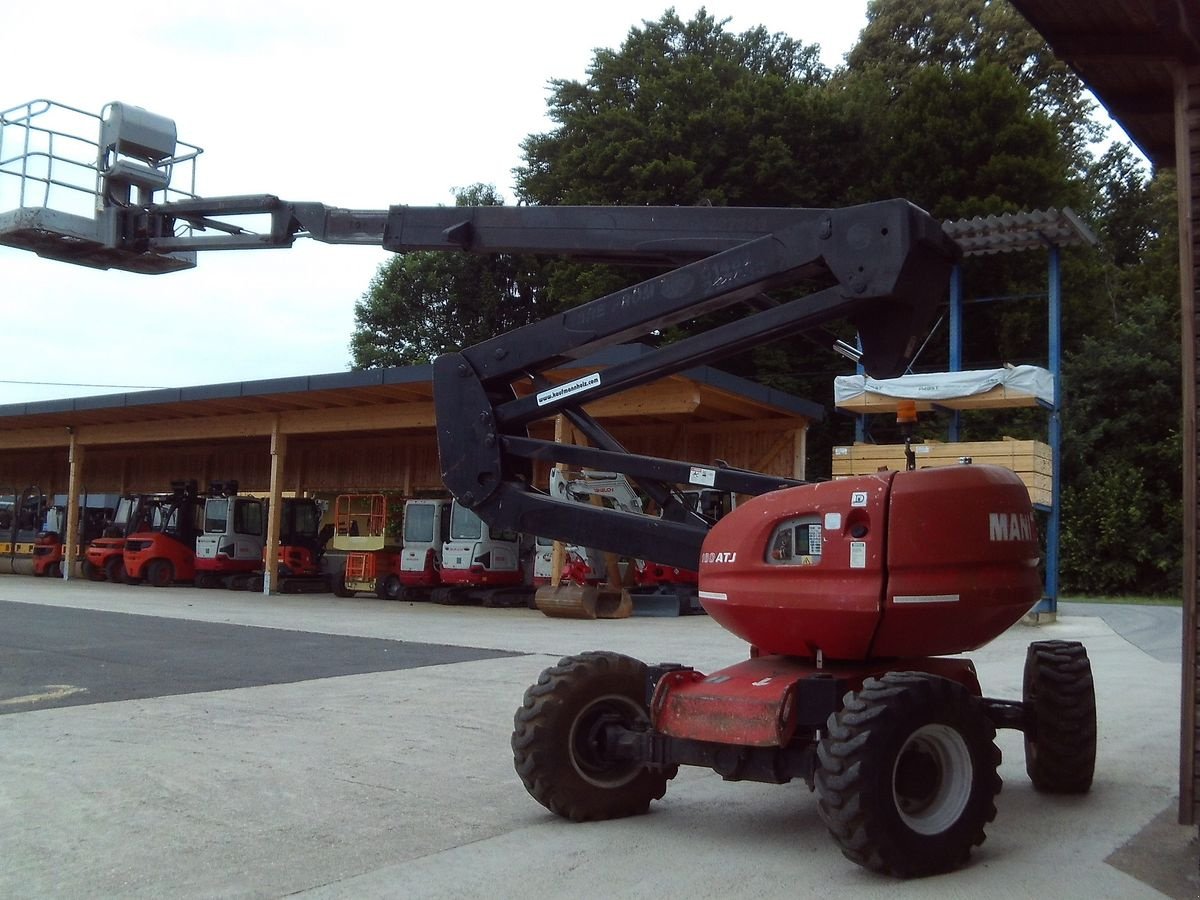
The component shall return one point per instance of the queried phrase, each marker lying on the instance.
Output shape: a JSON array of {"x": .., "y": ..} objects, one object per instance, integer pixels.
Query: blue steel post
[
  {"x": 1050, "y": 601},
  {"x": 956, "y": 349}
]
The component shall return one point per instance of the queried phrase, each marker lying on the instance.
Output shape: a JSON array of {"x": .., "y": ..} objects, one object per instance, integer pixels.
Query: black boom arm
[{"x": 884, "y": 266}]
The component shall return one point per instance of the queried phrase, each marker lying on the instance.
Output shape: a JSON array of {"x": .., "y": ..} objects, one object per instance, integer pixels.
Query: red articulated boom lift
[{"x": 855, "y": 597}]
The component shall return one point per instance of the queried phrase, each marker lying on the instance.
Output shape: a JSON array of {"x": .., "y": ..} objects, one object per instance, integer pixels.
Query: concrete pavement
[{"x": 400, "y": 783}]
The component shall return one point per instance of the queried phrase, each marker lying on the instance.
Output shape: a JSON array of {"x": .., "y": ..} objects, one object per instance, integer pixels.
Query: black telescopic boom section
[{"x": 884, "y": 266}]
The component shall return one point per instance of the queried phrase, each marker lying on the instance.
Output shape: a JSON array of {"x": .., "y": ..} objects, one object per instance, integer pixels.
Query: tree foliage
[
  {"x": 905, "y": 36},
  {"x": 422, "y": 304},
  {"x": 1122, "y": 451},
  {"x": 683, "y": 113}
]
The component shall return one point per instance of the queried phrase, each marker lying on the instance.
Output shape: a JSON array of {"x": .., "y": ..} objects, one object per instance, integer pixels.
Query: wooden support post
[
  {"x": 1187, "y": 170},
  {"x": 74, "y": 484},
  {"x": 800, "y": 452},
  {"x": 275, "y": 509},
  {"x": 301, "y": 473}
]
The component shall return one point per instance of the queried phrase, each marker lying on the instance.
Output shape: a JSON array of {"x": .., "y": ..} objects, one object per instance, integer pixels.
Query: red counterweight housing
[{"x": 922, "y": 563}]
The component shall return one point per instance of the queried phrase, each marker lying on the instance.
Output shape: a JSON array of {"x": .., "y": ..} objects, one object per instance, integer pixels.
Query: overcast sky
[{"x": 352, "y": 104}]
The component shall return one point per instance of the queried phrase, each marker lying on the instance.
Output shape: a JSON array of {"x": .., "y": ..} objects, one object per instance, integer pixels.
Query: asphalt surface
[
  {"x": 68, "y": 657},
  {"x": 1156, "y": 630},
  {"x": 294, "y": 754}
]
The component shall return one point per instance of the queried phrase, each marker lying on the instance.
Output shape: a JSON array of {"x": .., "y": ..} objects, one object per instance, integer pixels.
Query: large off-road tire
[
  {"x": 339, "y": 587},
  {"x": 114, "y": 570},
  {"x": 907, "y": 774},
  {"x": 558, "y": 734},
  {"x": 1060, "y": 700},
  {"x": 160, "y": 573}
]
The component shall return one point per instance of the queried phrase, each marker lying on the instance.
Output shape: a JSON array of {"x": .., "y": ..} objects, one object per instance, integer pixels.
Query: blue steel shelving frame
[{"x": 1050, "y": 230}]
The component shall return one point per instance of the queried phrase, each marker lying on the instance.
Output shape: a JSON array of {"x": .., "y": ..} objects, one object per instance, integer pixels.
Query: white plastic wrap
[{"x": 935, "y": 386}]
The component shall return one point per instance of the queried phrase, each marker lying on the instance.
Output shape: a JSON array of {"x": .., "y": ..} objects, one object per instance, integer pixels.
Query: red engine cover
[{"x": 921, "y": 563}]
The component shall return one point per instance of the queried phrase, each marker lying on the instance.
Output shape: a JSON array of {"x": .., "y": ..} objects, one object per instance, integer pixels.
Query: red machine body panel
[
  {"x": 960, "y": 571},
  {"x": 479, "y": 575},
  {"x": 297, "y": 560},
  {"x": 427, "y": 576},
  {"x": 797, "y": 603},
  {"x": 891, "y": 564},
  {"x": 222, "y": 564},
  {"x": 102, "y": 549},
  {"x": 144, "y": 547},
  {"x": 651, "y": 574},
  {"x": 753, "y": 703}
]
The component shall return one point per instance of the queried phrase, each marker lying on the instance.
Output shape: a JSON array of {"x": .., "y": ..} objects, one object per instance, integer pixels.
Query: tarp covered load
[{"x": 1007, "y": 386}]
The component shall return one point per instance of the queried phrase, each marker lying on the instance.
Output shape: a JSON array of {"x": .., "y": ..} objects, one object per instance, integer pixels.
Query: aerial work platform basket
[
  {"x": 66, "y": 175},
  {"x": 360, "y": 522}
]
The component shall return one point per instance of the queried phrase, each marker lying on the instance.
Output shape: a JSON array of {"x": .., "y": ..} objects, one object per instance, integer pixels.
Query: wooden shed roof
[
  {"x": 371, "y": 400},
  {"x": 1125, "y": 50}
]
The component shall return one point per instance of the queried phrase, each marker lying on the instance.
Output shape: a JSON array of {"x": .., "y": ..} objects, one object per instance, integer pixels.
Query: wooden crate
[{"x": 1029, "y": 459}]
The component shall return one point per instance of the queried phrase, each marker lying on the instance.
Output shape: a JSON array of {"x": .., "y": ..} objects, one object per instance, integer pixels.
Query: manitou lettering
[
  {"x": 724, "y": 556},
  {"x": 1011, "y": 526}
]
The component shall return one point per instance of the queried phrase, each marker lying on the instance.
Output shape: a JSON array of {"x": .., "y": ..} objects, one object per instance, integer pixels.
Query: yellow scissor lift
[{"x": 360, "y": 528}]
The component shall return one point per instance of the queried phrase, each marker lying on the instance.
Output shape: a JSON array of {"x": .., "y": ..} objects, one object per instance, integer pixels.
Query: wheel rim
[
  {"x": 932, "y": 779},
  {"x": 587, "y": 741}
]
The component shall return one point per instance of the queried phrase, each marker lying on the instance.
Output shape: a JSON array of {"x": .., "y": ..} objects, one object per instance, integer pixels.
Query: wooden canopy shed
[{"x": 370, "y": 430}]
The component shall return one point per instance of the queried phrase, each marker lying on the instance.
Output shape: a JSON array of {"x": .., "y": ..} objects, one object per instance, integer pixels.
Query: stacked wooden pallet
[{"x": 1029, "y": 459}]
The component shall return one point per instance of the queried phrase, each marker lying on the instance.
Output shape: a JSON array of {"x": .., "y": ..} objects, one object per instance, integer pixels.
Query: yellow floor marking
[{"x": 53, "y": 692}]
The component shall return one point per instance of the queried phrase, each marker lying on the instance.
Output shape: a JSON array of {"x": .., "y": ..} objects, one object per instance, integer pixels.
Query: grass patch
[{"x": 1126, "y": 601}]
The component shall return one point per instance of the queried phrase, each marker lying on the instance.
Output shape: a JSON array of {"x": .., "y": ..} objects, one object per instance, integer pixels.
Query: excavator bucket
[{"x": 576, "y": 601}]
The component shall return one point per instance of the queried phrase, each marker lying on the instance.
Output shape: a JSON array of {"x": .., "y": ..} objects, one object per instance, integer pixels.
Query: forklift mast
[{"x": 883, "y": 266}]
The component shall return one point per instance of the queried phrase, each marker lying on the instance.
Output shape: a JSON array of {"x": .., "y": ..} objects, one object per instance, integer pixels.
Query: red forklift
[
  {"x": 166, "y": 553},
  {"x": 95, "y": 511},
  {"x": 104, "y": 558}
]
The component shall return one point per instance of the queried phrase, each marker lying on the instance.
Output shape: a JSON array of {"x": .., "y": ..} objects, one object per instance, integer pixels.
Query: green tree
[
  {"x": 685, "y": 113},
  {"x": 905, "y": 36},
  {"x": 422, "y": 304},
  {"x": 1121, "y": 455},
  {"x": 970, "y": 118}
]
